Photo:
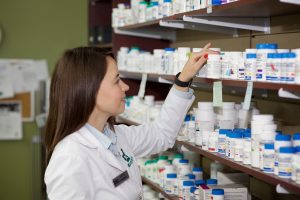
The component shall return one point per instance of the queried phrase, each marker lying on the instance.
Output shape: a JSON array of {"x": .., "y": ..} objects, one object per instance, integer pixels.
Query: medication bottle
[
  {"x": 161, "y": 163},
  {"x": 268, "y": 158},
  {"x": 296, "y": 139},
  {"x": 193, "y": 193},
  {"x": 291, "y": 68},
  {"x": 213, "y": 141},
  {"x": 222, "y": 141},
  {"x": 192, "y": 130},
  {"x": 297, "y": 67},
  {"x": 238, "y": 149},
  {"x": 186, "y": 187},
  {"x": 247, "y": 147},
  {"x": 170, "y": 185},
  {"x": 198, "y": 172},
  {"x": 142, "y": 11},
  {"x": 250, "y": 67},
  {"x": 167, "y": 8},
  {"x": 183, "y": 168},
  {"x": 214, "y": 66},
  {"x": 285, "y": 162},
  {"x": 280, "y": 141},
  {"x": 261, "y": 59},
  {"x": 176, "y": 159},
  {"x": 284, "y": 63},
  {"x": 296, "y": 164},
  {"x": 168, "y": 60},
  {"x": 217, "y": 194},
  {"x": 155, "y": 10}
]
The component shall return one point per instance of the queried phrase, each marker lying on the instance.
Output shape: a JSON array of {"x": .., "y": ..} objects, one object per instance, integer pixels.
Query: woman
[{"x": 88, "y": 156}]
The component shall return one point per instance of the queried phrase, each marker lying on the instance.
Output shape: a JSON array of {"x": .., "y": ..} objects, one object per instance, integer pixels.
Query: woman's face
[{"x": 111, "y": 94}]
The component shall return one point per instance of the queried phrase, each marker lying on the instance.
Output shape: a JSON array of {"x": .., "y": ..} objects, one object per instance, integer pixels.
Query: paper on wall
[
  {"x": 10, "y": 120},
  {"x": 6, "y": 84}
]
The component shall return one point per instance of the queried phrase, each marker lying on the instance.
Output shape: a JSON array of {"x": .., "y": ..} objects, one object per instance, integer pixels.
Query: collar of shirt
[{"x": 103, "y": 138}]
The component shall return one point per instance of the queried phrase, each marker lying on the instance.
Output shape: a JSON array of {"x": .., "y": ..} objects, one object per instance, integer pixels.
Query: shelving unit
[
  {"x": 228, "y": 18},
  {"x": 268, "y": 178},
  {"x": 225, "y": 82},
  {"x": 157, "y": 188}
]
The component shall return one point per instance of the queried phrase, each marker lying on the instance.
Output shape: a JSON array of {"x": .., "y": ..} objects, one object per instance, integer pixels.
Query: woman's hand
[{"x": 195, "y": 63}]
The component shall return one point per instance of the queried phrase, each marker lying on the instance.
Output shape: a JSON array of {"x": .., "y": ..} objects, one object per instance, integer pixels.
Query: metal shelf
[
  {"x": 225, "y": 82},
  {"x": 157, "y": 188},
  {"x": 257, "y": 173},
  {"x": 268, "y": 178},
  {"x": 228, "y": 18}
]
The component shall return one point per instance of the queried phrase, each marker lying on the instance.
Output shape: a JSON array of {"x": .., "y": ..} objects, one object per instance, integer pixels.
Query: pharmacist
[{"x": 88, "y": 156}]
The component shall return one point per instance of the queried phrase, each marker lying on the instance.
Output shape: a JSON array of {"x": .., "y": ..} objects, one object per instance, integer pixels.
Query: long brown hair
[{"x": 75, "y": 82}]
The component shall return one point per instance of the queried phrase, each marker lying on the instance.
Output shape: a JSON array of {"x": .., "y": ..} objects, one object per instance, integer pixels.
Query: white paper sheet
[
  {"x": 10, "y": 121},
  {"x": 6, "y": 84}
]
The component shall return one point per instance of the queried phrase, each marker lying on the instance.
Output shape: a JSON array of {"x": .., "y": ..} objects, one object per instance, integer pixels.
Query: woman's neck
[{"x": 98, "y": 120}]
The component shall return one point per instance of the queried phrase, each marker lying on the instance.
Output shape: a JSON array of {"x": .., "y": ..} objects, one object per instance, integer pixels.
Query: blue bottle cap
[
  {"x": 269, "y": 146},
  {"x": 297, "y": 149},
  {"x": 292, "y": 55},
  {"x": 223, "y": 131},
  {"x": 216, "y": 2},
  {"x": 197, "y": 169},
  {"x": 173, "y": 175},
  {"x": 185, "y": 161},
  {"x": 167, "y": 1},
  {"x": 296, "y": 136},
  {"x": 277, "y": 55},
  {"x": 285, "y": 55},
  {"x": 247, "y": 135},
  {"x": 283, "y": 137},
  {"x": 187, "y": 118},
  {"x": 192, "y": 190},
  {"x": 250, "y": 55},
  {"x": 188, "y": 183},
  {"x": 191, "y": 176},
  {"x": 217, "y": 192},
  {"x": 270, "y": 55},
  {"x": 169, "y": 49},
  {"x": 262, "y": 46},
  {"x": 211, "y": 181},
  {"x": 273, "y": 46},
  {"x": 154, "y": 3},
  {"x": 286, "y": 150},
  {"x": 199, "y": 182}
]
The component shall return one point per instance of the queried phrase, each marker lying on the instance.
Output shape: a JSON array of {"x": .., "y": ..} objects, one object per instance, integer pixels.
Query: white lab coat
[{"x": 81, "y": 168}]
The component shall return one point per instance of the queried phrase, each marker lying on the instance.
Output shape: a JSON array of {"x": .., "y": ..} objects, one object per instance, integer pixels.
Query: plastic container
[
  {"x": 281, "y": 140},
  {"x": 176, "y": 159},
  {"x": 217, "y": 194},
  {"x": 183, "y": 168},
  {"x": 291, "y": 68},
  {"x": 285, "y": 162},
  {"x": 261, "y": 59},
  {"x": 170, "y": 185},
  {"x": 213, "y": 141},
  {"x": 142, "y": 11},
  {"x": 296, "y": 139},
  {"x": 247, "y": 148},
  {"x": 222, "y": 141},
  {"x": 167, "y": 8},
  {"x": 194, "y": 193},
  {"x": 268, "y": 158},
  {"x": 168, "y": 60},
  {"x": 250, "y": 67},
  {"x": 198, "y": 172},
  {"x": 214, "y": 66},
  {"x": 186, "y": 186},
  {"x": 296, "y": 165}
]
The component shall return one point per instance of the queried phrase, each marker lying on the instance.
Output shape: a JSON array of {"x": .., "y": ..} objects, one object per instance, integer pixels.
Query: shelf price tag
[
  {"x": 248, "y": 96},
  {"x": 217, "y": 94},
  {"x": 142, "y": 89}
]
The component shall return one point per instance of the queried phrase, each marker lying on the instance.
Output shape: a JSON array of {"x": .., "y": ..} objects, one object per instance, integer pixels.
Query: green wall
[{"x": 36, "y": 29}]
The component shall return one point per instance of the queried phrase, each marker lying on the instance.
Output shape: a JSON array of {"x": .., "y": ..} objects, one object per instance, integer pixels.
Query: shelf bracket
[
  {"x": 156, "y": 33},
  {"x": 261, "y": 24},
  {"x": 180, "y": 24},
  {"x": 287, "y": 94},
  {"x": 297, "y": 2}
]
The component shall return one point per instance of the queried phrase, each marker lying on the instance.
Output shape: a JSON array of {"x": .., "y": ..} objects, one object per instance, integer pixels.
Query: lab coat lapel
[{"x": 87, "y": 139}]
